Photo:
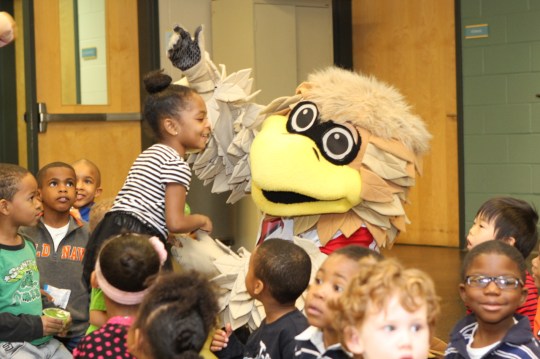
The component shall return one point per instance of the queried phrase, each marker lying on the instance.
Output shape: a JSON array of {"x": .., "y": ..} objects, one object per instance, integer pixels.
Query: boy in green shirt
[{"x": 24, "y": 331}]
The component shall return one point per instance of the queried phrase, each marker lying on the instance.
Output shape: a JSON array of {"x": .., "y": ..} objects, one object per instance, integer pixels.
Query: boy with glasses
[
  {"x": 513, "y": 221},
  {"x": 493, "y": 276}
]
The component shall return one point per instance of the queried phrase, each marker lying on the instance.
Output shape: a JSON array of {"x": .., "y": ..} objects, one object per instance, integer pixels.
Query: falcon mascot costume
[{"x": 328, "y": 166}]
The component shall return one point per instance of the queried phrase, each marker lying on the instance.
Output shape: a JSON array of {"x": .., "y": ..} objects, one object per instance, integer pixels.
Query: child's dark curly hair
[
  {"x": 283, "y": 267},
  {"x": 176, "y": 315},
  {"x": 40, "y": 176},
  {"x": 494, "y": 247},
  {"x": 356, "y": 252},
  {"x": 165, "y": 100},
  {"x": 10, "y": 180},
  {"x": 128, "y": 261}
]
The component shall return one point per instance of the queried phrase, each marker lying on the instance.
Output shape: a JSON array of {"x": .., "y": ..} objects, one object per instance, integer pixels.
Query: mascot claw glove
[{"x": 184, "y": 51}]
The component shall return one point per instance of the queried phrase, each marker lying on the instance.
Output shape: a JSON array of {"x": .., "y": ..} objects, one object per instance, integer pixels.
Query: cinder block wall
[{"x": 501, "y": 78}]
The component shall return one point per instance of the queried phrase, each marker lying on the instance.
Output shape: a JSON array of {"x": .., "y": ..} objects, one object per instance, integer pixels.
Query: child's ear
[
  {"x": 170, "y": 127},
  {"x": 510, "y": 240},
  {"x": 524, "y": 292},
  {"x": 93, "y": 280},
  {"x": 463, "y": 293},
  {"x": 258, "y": 287},
  {"x": 98, "y": 192},
  {"x": 4, "y": 206},
  {"x": 352, "y": 340}
]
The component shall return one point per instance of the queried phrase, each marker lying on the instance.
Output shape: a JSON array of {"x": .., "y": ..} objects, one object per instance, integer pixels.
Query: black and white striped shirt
[
  {"x": 143, "y": 192},
  {"x": 310, "y": 345}
]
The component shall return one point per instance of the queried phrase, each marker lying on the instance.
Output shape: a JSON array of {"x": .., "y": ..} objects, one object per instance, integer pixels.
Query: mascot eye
[
  {"x": 302, "y": 117},
  {"x": 339, "y": 146}
]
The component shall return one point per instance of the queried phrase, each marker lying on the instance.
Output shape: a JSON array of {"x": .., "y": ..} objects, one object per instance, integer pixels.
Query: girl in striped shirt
[{"x": 153, "y": 196}]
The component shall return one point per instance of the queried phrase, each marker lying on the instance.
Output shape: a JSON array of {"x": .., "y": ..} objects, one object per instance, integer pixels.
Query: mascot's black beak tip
[{"x": 286, "y": 197}]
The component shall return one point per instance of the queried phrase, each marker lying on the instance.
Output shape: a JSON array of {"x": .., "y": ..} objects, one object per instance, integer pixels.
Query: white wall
[
  {"x": 189, "y": 14},
  {"x": 93, "y": 72}
]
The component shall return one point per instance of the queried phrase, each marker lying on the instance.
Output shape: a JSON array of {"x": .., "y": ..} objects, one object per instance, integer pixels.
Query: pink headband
[
  {"x": 160, "y": 249},
  {"x": 123, "y": 297}
]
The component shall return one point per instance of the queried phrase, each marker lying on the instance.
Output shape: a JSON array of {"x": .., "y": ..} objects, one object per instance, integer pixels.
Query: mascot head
[{"x": 340, "y": 154}]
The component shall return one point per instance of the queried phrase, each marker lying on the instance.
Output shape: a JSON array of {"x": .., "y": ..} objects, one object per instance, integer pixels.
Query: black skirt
[{"x": 112, "y": 224}]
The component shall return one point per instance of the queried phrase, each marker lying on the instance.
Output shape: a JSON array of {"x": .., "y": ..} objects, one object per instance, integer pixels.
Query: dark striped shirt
[
  {"x": 310, "y": 345},
  {"x": 143, "y": 192},
  {"x": 517, "y": 343}
]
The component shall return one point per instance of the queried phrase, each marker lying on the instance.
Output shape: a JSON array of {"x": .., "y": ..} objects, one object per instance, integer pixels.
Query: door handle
[{"x": 45, "y": 117}]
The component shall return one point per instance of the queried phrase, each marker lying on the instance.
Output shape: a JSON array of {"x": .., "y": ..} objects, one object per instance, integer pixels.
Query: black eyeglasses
[{"x": 503, "y": 282}]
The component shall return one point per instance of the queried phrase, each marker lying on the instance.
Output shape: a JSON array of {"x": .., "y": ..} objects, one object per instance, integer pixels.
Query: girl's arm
[
  {"x": 98, "y": 309},
  {"x": 177, "y": 221},
  {"x": 98, "y": 317}
]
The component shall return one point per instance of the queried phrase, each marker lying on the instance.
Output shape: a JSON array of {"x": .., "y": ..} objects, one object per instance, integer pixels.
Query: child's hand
[
  {"x": 66, "y": 327},
  {"x": 51, "y": 326},
  {"x": 207, "y": 224},
  {"x": 221, "y": 338},
  {"x": 47, "y": 295}
]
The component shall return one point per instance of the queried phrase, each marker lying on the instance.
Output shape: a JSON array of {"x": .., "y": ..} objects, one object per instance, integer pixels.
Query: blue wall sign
[
  {"x": 89, "y": 53},
  {"x": 476, "y": 31}
]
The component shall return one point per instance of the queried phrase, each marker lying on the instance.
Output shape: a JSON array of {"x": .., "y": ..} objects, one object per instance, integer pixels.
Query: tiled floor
[{"x": 443, "y": 264}]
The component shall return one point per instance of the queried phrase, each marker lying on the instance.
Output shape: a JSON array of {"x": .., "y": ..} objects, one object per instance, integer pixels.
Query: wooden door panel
[
  {"x": 411, "y": 45},
  {"x": 111, "y": 145}
]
